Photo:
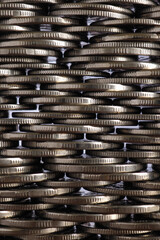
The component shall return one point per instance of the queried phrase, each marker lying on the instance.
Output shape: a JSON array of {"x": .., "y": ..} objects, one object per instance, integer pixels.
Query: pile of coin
[{"x": 79, "y": 119}]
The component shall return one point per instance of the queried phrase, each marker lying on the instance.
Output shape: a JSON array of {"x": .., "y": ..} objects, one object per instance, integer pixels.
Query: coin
[
  {"x": 7, "y": 13},
  {"x": 124, "y": 192},
  {"x": 151, "y": 125},
  {"x": 66, "y": 236},
  {"x": 76, "y": 59},
  {"x": 128, "y": 177},
  {"x": 17, "y": 6},
  {"x": 117, "y": 65},
  {"x": 6, "y": 200},
  {"x": 93, "y": 6},
  {"x": 29, "y": 178},
  {"x": 37, "y": 93},
  {"x": 104, "y": 231},
  {"x": 39, "y": 79},
  {"x": 55, "y": 115},
  {"x": 8, "y": 72},
  {"x": 28, "y": 65},
  {"x": 99, "y": 29},
  {"x": 21, "y": 121},
  {"x": 67, "y": 72},
  {"x": 114, "y": 51},
  {"x": 20, "y": 231},
  {"x": 128, "y": 154},
  {"x": 115, "y": 168},
  {"x": 27, "y": 52},
  {"x": 150, "y": 132},
  {"x": 38, "y": 223},
  {"x": 150, "y": 9},
  {"x": 78, "y": 145},
  {"x": 119, "y": 209},
  {"x": 131, "y": 116},
  {"x": 65, "y": 129},
  {"x": 14, "y": 28},
  {"x": 151, "y": 111},
  {"x": 42, "y": 35},
  {"x": 153, "y": 15},
  {"x": 137, "y": 237},
  {"x": 38, "y": 43},
  {"x": 6, "y": 144},
  {"x": 126, "y": 37},
  {"x": 153, "y": 73},
  {"x": 153, "y": 200},
  {"x": 148, "y": 185},
  {"x": 84, "y": 161},
  {"x": 92, "y": 86},
  {"x": 41, "y": 136},
  {"x": 9, "y": 214},
  {"x": 138, "y": 102},
  {"x": 76, "y": 199},
  {"x": 88, "y": 12},
  {"x": 91, "y": 109},
  {"x": 17, "y": 170},
  {"x": 144, "y": 147},
  {"x": 123, "y": 80},
  {"x": 148, "y": 160},
  {"x": 23, "y": 207},
  {"x": 32, "y": 1},
  {"x": 148, "y": 45},
  {"x": 137, "y": 225},
  {"x": 13, "y": 107},
  {"x": 141, "y": 2},
  {"x": 80, "y": 217},
  {"x": 140, "y": 97},
  {"x": 18, "y": 60},
  {"x": 74, "y": 183},
  {"x": 35, "y": 193},
  {"x": 125, "y": 138},
  {"x": 63, "y": 100},
  {"x": 37, "y": 152},
  {"x": 152, "y": 89},
  {"x": 128, "y": 21},
  {"x": 6, "y": 86},
  {"x": 154, "y": 29},
  {"x": 10, "y": 185},
  {"x": 95, "y": 122},
  {"x": 35, "y": 20}
]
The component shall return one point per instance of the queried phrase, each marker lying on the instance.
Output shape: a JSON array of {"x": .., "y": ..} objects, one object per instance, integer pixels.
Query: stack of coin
[
  {"x": 113, "y": 54},
  {"x": 12, "y": 55},
  {"x": 26, "y": 45},
  {"x": 79, "y": 119}
]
